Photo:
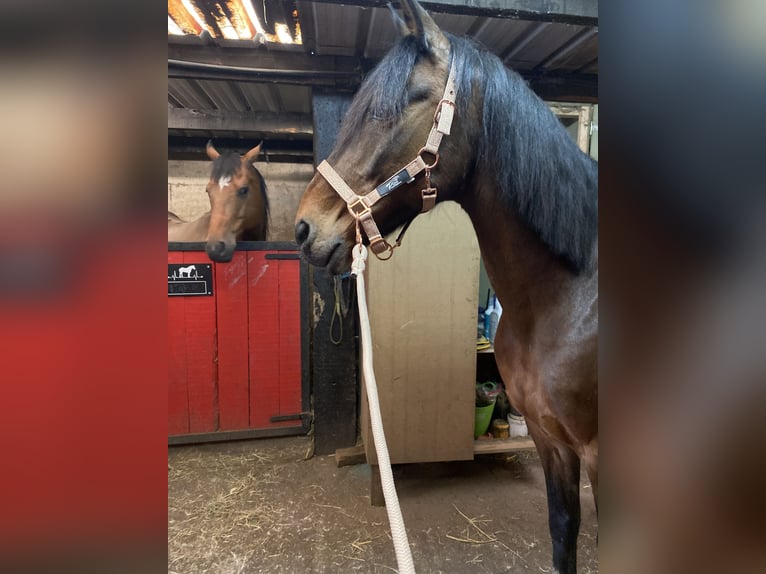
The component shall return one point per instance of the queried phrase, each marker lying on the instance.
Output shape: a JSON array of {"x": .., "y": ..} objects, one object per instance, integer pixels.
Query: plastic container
[
  {"x": 480, "y": 330},
  {"x": 487, "y": 321},
  {"x": 517, "y": 426},
  {"x": 483, "y": 418},
  {"x": 500, "y": 428},
  {"x": 494, "y": 318},
  {"x": 487, "y": 393}
]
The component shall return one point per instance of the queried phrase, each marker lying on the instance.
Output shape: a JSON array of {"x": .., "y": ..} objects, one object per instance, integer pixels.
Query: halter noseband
[{"x": 360, "y": 206}]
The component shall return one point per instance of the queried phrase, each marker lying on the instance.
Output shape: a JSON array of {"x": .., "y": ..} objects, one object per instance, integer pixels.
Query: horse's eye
[
  {"x": 242, "y": 191},
  {"x": 418, "y": 95},
  {"x": 379, "y": 116}
]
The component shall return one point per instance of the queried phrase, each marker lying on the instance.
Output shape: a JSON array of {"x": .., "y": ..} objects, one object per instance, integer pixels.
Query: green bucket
[{"x": 483, "y": 418}]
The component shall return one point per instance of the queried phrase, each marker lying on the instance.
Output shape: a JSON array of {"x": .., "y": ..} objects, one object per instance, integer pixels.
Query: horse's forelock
[
  {"x": 226, "y": 165},
  {"x": 383, "y": 94}
]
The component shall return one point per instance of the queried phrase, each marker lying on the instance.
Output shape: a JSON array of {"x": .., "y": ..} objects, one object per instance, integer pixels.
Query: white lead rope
[{"x": 395, "y": 520}]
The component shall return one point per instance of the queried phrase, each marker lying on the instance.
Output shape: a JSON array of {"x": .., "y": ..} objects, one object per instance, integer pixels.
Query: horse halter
[{"x": 360, "y": 206}]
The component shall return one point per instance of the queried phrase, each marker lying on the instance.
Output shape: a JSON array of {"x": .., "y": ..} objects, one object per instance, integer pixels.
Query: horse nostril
[
  {"x": 302, "y": 231},
  {"x": 215, "y": 247}
]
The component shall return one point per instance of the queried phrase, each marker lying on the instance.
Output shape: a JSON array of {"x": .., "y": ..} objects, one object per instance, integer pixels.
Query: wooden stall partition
[
  {"x": 233, "y": 363},
  {"x": 239, "y": 353},
  {"x": 192, "y": 382},
  {"x": 423, "y": 308}
]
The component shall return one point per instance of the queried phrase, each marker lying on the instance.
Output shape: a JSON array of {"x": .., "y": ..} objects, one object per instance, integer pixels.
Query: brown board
[{"x": 423, "y": 308}]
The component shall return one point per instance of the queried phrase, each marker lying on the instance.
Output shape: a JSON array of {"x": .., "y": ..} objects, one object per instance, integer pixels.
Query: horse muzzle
[
  {"x": 332, "y": 253},
  {"x": 220, "y": 251}
]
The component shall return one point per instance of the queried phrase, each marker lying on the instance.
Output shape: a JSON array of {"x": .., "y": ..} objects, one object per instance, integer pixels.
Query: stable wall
[{"x": 285, "y": 183}]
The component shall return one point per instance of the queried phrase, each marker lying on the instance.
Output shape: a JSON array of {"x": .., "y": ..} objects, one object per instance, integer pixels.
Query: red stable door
[{"x": 237, "y": 348}]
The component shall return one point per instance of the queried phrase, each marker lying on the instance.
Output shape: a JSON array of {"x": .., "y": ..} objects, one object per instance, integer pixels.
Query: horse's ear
[
  {"x": 419, "y": 23},
  {"x": 400, "y": 24},
  {"x": 252, "y": 155},
  {"x": 212, "y": 153}
]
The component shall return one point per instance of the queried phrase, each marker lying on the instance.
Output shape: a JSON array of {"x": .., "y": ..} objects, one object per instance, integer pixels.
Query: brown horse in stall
[
  {"x": 532, "y": 197},
  {"x": 188, "y": 231},
  {"x": 239, "y": 206}
]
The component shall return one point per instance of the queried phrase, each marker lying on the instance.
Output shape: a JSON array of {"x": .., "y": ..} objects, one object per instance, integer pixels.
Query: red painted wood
[
  {"x": 178, "y": 401},
  {"x": 263, "y": 319},
  {"x": 289, "y": 340},
  {"x": 201, "y": 372},
  {"x": 263, "y": 281},
  {"x": 233, "y": 354},
  {"x": 235, "y": 358}
]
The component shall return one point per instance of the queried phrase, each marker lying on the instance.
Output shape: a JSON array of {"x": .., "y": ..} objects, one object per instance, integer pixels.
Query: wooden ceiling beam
[
  {"x": 579, "y": 12},
  {"x": 283, "y": 124}
]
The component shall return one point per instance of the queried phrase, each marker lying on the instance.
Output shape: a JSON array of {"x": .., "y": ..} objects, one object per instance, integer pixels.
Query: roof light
[
  {"x": 174, "y": 28},
  {"x": 283, "y": 33},
  {"x": 248, "y": 4},
  {"x": 227, "y": 29},
  {"x": 194, "y": 14}
]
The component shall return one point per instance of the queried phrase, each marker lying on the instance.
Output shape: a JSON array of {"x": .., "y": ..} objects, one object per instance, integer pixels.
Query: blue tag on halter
[{"x": 399, "y": 178}]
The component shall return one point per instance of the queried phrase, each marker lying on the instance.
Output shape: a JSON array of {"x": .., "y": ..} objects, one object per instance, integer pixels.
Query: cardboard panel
[{"x": 422, "y": 306}]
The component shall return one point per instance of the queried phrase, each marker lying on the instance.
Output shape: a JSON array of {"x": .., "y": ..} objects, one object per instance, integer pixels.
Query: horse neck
[
  {"x": 190, "y": 230},
  {"x": 254, "y": 227},
  {"x": 255, "y": 209},
  {"x": 254, "y": 212},
  {"x": 528, "y": 279}
]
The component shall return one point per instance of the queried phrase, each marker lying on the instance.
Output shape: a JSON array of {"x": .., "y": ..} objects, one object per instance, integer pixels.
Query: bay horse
[
  {"x": 186, "y": 231},
  {"x": 532, "y": 196},
  {"x": 239, "y": 206}
]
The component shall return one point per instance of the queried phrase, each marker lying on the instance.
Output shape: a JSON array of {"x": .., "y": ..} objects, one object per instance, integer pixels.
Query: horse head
[
  {"x": 236, "y": 193},
  {"x": 387, "y": 124}
]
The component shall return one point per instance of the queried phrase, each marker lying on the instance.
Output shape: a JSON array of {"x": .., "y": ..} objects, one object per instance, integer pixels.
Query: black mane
[
  {"x": 383, "y": 94},
  {"x": 262, "y": 183},
  {"x": 540, "y": 172}
]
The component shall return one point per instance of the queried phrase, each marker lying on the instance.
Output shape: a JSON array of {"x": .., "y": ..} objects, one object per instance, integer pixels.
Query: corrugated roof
[{"x": 344, "y": 40}]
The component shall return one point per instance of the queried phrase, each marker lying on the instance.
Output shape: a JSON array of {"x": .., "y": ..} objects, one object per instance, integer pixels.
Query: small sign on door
[{"x": 190, "y": 279}]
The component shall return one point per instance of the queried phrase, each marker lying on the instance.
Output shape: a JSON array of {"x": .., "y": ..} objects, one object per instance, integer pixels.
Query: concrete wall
[{"x": 285, "y": 184}]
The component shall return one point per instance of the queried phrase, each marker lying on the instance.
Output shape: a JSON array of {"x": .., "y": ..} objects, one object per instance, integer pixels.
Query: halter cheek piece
[{"x": 360, "y": 206}]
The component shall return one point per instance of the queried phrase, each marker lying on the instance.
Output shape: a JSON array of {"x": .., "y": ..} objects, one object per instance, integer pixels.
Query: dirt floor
[{"x": 260, "y": 506}]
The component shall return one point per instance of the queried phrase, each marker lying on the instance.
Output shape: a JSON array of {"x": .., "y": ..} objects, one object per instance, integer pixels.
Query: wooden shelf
[{"x": 494, "y": 445}]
